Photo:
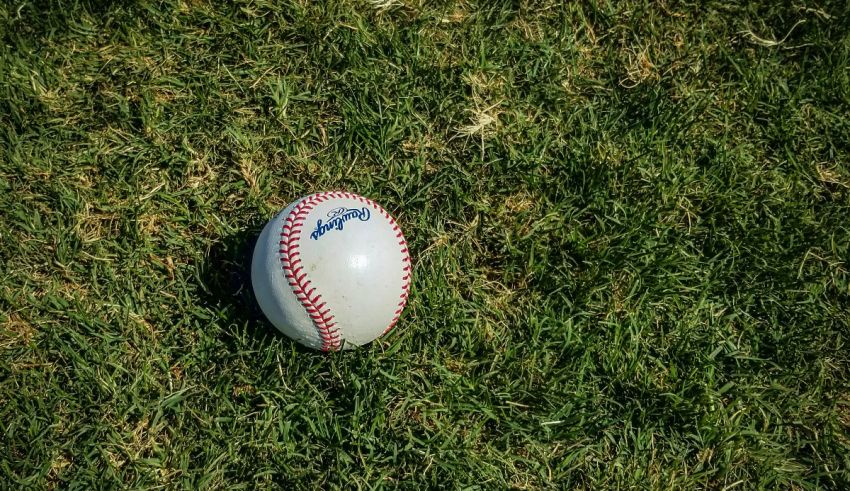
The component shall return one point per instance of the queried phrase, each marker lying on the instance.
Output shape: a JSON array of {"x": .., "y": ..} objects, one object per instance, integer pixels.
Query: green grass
[{"x": 630, "y": 224}]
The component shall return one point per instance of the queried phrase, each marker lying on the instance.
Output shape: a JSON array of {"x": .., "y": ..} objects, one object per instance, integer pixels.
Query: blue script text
[{"x": 337, "y": 218}]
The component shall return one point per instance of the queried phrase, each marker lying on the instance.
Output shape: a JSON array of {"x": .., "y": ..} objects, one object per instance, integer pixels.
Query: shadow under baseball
[{"x": 227, "y": 292}]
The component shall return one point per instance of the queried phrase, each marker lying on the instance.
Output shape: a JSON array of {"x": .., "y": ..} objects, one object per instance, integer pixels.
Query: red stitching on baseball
[
  {"x": 405, "y": 293},
  {"x": 290, "y": 240}
]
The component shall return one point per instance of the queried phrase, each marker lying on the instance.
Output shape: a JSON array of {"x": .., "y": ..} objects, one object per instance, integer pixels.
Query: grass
[{"x": 629, "y": 223}]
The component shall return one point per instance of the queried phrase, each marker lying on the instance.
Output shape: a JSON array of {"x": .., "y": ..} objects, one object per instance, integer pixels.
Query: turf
[{"x": 629, "y": 221}]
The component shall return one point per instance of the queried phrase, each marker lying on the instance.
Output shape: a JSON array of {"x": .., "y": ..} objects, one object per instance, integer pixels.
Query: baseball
[{"x": 332, "y": 271}]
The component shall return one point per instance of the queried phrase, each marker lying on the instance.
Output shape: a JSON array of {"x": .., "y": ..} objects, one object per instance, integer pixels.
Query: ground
[{"x": 628, "y": 220}]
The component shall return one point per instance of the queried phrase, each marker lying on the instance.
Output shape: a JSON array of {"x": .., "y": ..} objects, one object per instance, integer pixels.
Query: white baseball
[{"x": 332, "y": 270}]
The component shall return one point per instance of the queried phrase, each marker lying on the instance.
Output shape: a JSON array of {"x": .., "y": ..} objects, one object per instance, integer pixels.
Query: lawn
[{"x": 629, "y": 223}]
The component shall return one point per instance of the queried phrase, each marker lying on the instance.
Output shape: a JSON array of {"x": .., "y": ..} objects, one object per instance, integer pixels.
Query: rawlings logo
[{"x": 337, "y": 218}]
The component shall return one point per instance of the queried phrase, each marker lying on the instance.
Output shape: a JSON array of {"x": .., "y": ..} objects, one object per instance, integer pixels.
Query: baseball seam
[{"x": 290, "y": 250}]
